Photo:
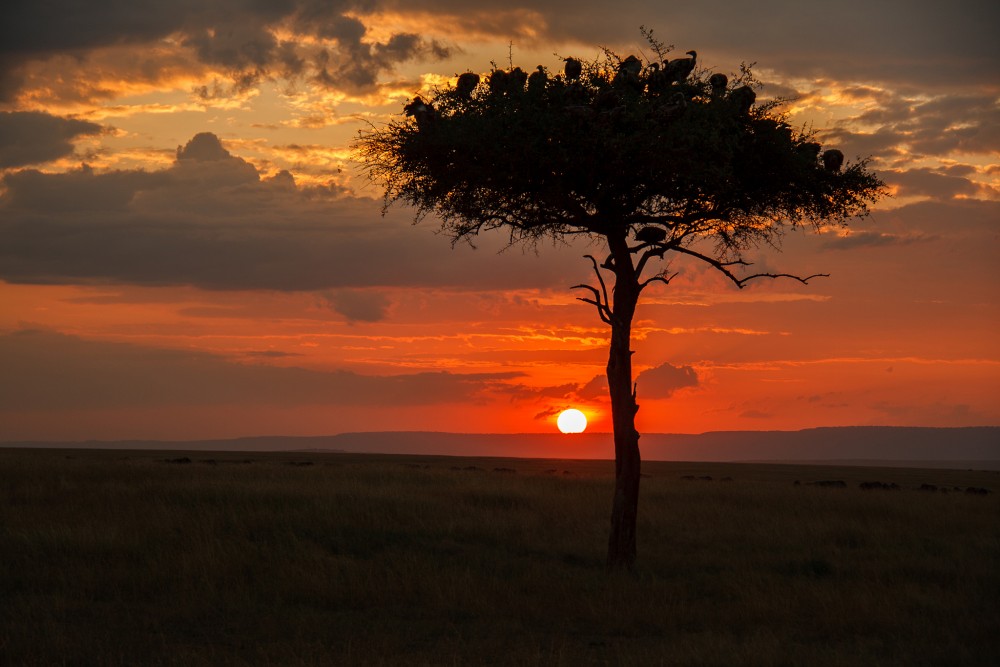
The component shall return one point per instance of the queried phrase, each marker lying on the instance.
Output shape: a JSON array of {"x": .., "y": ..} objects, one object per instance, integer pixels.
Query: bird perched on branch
[
  {"x": 573, "y": 69},
  {"x": 537, "y": 80},
  {"x": 833, "y": 160},
  {"x": 421, "y": 111},
  {"x": 628, "y": 73},
  {"x": 466, "y": 84},
  {"x": 678, "y": 70},
  {"x": 651, "y": 235},
  {"x": 718, "y": 83},
  {"x": 743, "y": 98}
]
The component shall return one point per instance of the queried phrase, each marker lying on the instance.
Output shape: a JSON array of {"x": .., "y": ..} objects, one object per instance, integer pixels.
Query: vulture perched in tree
[
  {"x": 628, "y": 73},
  {"x": 466, "y": 84},
  {"x": 673, "y": 107},
  {"x": 718, "y": 83},
  {"x": 651, "y": 235},
  {"x": 833, "y": 160},
  {"x": 516, "y": 78},
  {"x": 574, "y": 69},
  {"x": 537, "y": 80},
  {"x": 656, "y": 79},
  {"x": 808, "y": 150},
  {"x": 498, "y": 82},
  {"x": 679, "y": 69},
  {"x": 421, "y": 111},
  {"x": 743, "y": 99}
]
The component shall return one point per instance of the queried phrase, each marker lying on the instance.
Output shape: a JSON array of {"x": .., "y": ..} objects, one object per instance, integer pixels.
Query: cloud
[
  {"x": 927, "y": 45},
  {"x": 34, "y": 137},
  {"x": 664, "y": 380},
  {"x": 596, "y": 388},
  {"x": 44, "y": 370},
  {"x": 872, "y": 239},
  {"x": 359, "y": 305},
  {"x": 926, "y": 182},
  {"x": 239, "y": 39},
  {"x": 211, "y": 221}
]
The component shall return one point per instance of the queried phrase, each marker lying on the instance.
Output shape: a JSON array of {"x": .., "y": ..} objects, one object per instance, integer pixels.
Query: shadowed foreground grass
[{"x": 124, "y": 558}]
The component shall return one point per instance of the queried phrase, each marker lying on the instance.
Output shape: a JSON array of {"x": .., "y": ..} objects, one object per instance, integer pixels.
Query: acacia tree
[{"x": 653, "y": 160}]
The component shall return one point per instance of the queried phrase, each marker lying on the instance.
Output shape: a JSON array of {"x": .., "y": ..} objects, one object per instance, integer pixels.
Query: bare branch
[
  {"x": 723, "y": 267},
  {"x": 600, "y": 279},
  {"x": 658, "y": 278},
  {"x": 602, "y": 309},
  {"x": 653, "y": 250}
]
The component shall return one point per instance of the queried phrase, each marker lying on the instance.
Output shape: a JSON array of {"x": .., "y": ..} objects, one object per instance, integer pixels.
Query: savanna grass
[{"x": 125, "y": 558}]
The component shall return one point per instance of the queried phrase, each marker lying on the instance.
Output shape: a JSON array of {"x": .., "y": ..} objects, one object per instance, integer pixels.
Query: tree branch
[
  {"x": 600, "y": 299},
  {"x": 723, "y": 267},
  {"x": 658, "y": 278}
]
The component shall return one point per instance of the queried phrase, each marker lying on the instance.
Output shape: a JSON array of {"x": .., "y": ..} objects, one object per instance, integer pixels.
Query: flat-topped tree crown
[
  {"x": 615, "y": 148},
  {"x": 653, "y": 158}
]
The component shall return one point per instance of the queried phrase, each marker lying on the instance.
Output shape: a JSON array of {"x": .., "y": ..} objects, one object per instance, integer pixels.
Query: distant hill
[{"x": 977, "y": 446}]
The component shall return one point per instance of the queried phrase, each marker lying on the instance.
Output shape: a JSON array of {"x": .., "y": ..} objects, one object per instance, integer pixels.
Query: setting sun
[{"x": 571, "y": 421}]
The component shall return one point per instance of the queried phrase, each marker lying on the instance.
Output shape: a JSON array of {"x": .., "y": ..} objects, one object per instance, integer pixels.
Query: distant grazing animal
[
  {"x": 869, "y": 486},
  {"x": 833, "y": 160},
  {"x": 466, "y": 84},
  {"x": 573, "y": 69}
]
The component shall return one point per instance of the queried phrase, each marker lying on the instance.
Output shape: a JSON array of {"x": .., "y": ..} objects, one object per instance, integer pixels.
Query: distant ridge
[{"x": 861, "y": 445}]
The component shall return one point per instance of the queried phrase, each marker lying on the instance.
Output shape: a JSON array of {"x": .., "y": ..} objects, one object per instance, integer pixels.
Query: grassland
[{"x": 129, "y": 558}]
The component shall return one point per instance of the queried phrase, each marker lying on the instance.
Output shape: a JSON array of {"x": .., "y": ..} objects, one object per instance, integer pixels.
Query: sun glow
[{"x": 571, "y": 421}]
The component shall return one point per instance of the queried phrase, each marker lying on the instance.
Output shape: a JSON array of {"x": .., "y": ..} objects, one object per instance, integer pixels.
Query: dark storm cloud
[
  {"x": 51, "y": 371},
  {"x": 925, "y": 44},
  {"x": 34, "y": 137},
  {"x": 211, "y": 221},
  {"x": 237, "y": 36}
]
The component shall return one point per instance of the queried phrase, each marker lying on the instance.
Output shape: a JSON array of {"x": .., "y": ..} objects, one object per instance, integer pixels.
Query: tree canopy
[{"x": 621, "y": 146}]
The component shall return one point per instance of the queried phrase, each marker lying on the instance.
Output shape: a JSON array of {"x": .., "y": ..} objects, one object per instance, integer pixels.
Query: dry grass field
[{"x": 181, "y": 558}]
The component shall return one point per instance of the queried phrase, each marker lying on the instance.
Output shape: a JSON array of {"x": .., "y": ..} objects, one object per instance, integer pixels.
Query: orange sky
[{"x": 160, "y": 282}]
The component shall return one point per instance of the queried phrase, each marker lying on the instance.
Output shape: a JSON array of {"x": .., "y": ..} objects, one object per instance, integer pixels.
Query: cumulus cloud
[
  {"x": 52, "y": 371},
  {"x": 664, "y": 380},
  {"x": 211, "y": 221},
  {"x": 659, "y": 382},
  {"x": 34, "y": 137}
]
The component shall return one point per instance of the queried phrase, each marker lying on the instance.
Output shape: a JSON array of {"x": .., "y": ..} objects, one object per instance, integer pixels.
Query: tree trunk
[{"x": 622, "y": 541}]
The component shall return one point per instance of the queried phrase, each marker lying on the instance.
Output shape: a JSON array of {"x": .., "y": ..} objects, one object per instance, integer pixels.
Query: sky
[{"x": 189, "y": 248}]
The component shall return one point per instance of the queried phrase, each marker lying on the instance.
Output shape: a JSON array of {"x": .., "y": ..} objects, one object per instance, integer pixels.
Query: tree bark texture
[{"x": 622, "y": 540}]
